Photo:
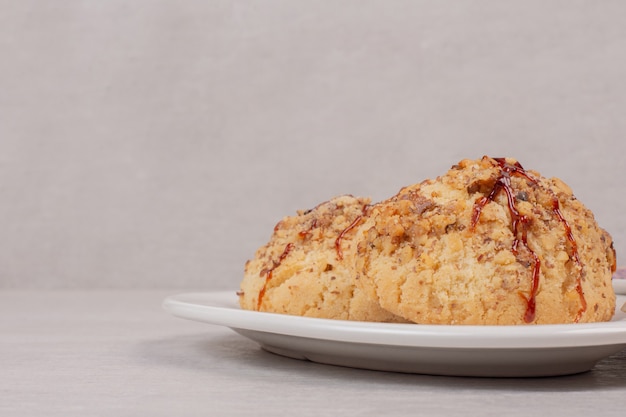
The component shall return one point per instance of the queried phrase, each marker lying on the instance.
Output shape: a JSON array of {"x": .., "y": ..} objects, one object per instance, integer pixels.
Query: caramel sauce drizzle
[
  {"x": 570, "y": 237},
  {"x": 269, "y": 272},
  {"x": 304, "y": 233},
  {"x": 519, "y": 227},
  {"x": 351, "y": 226}
]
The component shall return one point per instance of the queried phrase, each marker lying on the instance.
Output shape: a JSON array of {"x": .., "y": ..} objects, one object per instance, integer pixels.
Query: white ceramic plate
[{"x": 495, "y": 351}]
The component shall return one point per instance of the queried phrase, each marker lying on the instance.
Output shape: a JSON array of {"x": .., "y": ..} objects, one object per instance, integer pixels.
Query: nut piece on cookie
[
  {"x": 487, "y": 243},
  {"x": 307, "y": 267}
]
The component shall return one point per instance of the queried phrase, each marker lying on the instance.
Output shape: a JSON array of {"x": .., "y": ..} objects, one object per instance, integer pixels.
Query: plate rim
[{"x": 220, "y": 308}]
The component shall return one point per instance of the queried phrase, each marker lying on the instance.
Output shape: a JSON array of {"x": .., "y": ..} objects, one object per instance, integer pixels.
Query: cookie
[
  {"x": 307, "y": 267},
  {"x": 487, "y": 243}
]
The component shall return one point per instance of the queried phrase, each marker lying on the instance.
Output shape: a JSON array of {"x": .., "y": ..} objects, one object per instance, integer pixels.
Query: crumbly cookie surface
[
  {"x": 487, "y": 243},
  {"x": 307, "y": 267}
]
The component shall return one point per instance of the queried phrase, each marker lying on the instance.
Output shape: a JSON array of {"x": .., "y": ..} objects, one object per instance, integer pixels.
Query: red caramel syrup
[
  {"x": 352, "y": 225},
  {"x": 269, "y": 272},
  {"x": 519, "y": 227},
  {"x": 303, "y": 234},
  {"x": 343, "y": 233}
]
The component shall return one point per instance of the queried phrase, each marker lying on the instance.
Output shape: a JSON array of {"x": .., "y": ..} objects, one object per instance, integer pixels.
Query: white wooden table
[{"x": 117, "y": 353}]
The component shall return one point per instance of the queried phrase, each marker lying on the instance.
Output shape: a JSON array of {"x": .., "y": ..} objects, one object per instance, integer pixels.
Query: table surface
[{"x": 118, "y": 353}]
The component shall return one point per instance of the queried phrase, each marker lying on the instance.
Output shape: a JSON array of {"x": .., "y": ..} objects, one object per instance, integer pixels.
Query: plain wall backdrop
[{"x": 155, "y": 143}]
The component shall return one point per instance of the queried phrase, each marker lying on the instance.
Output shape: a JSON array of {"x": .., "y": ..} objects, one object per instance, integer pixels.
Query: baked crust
[
  {"x": 307, "y": 267},
  {"x": 466, "y": 248}
]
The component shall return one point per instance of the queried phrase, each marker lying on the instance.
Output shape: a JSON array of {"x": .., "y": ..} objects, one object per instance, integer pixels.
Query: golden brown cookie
[
  {"x": 307, "y": 267},
  {"x": 487, "y": 243}
]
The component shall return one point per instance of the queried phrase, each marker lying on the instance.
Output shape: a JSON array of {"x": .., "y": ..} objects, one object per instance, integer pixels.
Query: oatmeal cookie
[
  {"x": 487, "y": 243},
  {"x": 307, "y": 267}
]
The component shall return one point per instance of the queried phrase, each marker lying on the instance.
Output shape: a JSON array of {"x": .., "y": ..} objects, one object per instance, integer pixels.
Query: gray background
[{"x": 156, "y": 143}]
